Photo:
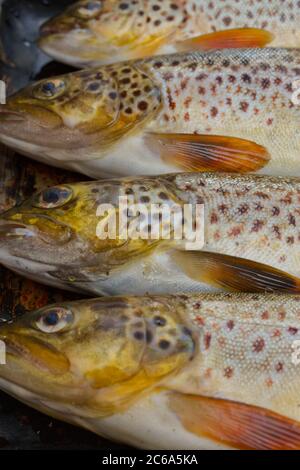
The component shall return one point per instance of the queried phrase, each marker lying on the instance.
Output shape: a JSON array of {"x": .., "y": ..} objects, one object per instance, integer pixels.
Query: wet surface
[{"x": 21, "y": 61}]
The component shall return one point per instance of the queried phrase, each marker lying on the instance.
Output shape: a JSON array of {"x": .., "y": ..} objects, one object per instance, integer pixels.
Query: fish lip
[
  {"x": 7, "y": 114},
  {"x": 11, "y": 229}
]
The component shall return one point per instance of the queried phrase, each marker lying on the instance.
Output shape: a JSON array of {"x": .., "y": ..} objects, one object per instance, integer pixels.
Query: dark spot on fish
[
  {"x": 143, "y": 105},
  {"x": 139, "y": 335},
  {"x": 113, "y": 95},
  {"x": 164, "y": 344},
  {"x": 163, "y": 196},
  {"x": 94, "y": 86}
]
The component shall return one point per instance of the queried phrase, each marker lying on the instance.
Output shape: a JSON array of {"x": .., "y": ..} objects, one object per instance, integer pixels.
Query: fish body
[
  {"x": 233, "y": 110},
  {"x": 203, "y": 371},
  {"x": 69, "y": 235},
  {"x": 100, "y": 32}
]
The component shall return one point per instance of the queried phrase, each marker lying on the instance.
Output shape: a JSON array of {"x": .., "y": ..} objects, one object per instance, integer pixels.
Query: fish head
[
  {"x": 94, "y": 356},
  {"x": 78, "y": 115},
  {"x": 72, "y": 235},
  {"x": 64, "y": 111},
  {"x": 56, "y": 230},
  {"x": 101, "y": 32}
]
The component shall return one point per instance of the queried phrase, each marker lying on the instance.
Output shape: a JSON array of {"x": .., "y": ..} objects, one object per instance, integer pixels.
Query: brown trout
[
  {"x": 205, "y": 371},
  {"x": 64, "y": 235},
  {"x": 233, "y": 110},
  {"x": 101, "y": 32}
]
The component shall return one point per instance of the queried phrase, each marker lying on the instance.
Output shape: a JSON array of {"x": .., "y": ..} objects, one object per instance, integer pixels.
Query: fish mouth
[
  {"x": 7, "y": 114},
  {"x": 9, "y": 230},
  {"x": 34, "y": 351}
]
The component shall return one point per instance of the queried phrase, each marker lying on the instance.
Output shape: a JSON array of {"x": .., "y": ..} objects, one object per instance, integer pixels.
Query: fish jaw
[{"x": 92, "y": 358}]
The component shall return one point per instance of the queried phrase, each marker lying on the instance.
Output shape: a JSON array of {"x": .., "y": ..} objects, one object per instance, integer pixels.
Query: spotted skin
[
  {"x": 249, "y": 217},
  {"x": 246, "y": 348},
  {"x": 121, "y": 30},
  {"x": 98, "y": 121}
]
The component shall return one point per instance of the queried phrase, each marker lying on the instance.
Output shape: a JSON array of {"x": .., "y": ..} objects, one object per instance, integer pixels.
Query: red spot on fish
[
  {"x": 207, "y": 340},
  {"x": 230, "y": 325},
  {"x": 276, "y": 333},
  {"x": 292, "y": 331},
  {"x": 214, "y": 218},
  {"x": 269, "y": 382},
  {"x": 214, "y": 111},
  {"x": 265, "y": 315},
  {"x": 200, "y": 321},
  {"x": 292, "y": 220},
  {"x": 187, "y": 101},
  {"x": 234, "y": 232},
  {"x": 257, "y": 225},
  {"x": 187, "y": 117},
  {"x": 279, "y": 367},
  {"x": 244, "y": 106},
  {"x": 258, "y": 345},
  {"x": 228, "y": 372}
]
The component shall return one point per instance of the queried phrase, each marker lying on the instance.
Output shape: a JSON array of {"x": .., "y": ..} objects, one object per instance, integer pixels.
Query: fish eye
[
  {"x": 53, "y": 197},
  {"x": 89, "y": 10},
  {"x": 54, "y": 320},
  {"x": 49, "y": 90}
]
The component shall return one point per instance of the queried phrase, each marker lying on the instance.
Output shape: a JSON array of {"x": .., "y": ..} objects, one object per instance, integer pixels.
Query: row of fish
[{"x": 172, "y": 368}]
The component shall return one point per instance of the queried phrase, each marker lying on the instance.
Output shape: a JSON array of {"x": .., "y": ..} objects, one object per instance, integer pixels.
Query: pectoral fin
[
  {"x": 209, "y": 152},
  {"x": 235, "y": 274},
  {"x": 229, "y": 39},
  {"x": 236, "y": 425}
]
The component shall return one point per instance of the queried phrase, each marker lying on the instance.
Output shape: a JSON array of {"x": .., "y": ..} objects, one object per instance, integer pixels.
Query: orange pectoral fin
[
  {"x": 228, "y": 39},
  {"x": 235, "y": 274},
  {"x": 234, "y": 424},
  {"x": 209, "y": 152}
]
